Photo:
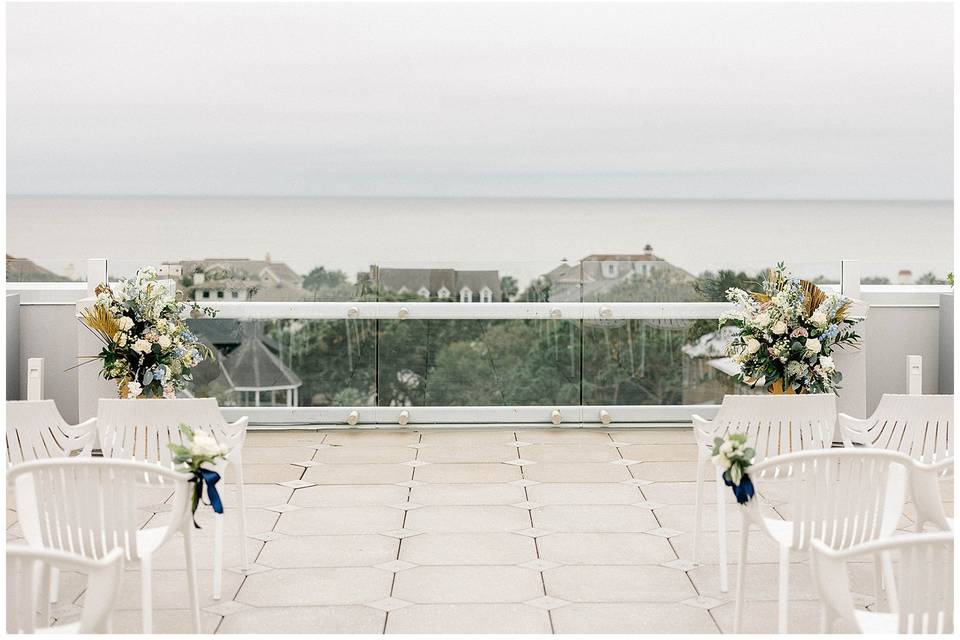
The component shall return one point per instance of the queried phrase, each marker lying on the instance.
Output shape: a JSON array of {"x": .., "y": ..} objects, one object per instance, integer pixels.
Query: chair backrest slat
[
  {"x": 920, "y": 426},
  {"x": 37, "y": 431}
]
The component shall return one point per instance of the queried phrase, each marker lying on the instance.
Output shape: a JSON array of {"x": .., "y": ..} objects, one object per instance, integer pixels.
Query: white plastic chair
[
  {"x": 774, "y": 424},
  {"x": 842, "y": 497},
  {"x": 925, "y": 482},
  {"x": 28, "y": 571},
  {"x": 37, "y": 431},
  {"x": 919, "y": 426},
  {"x": 87, "y": 506},
  {"x": 924, "y": 585},
  {"x": 142, "y": 429}
]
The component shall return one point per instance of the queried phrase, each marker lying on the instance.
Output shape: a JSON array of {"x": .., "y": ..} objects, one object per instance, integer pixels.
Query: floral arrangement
[
  {"x": 734, "y": 456},
  {"x": 787, "y": 334},
  {"x": 200, "y": 448},
  {"x": 147, "y": 348}
]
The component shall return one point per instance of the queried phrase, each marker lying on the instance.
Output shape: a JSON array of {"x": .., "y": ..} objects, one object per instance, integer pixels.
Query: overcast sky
[{"x": 545, "y": 100}]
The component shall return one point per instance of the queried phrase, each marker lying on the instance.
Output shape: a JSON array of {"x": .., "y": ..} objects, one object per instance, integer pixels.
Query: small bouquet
[
  {"x": 147, "y": 348},
  {"x": 787, "y": 334},
  {"x": 734, "y": 457},
  {"x": 200, "y": 448}
]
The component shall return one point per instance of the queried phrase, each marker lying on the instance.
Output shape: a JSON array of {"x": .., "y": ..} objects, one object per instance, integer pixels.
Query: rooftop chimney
[{"x": 648, "y": 250}]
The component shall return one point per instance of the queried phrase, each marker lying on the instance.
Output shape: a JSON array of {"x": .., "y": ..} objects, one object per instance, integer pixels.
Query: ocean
[{"x": 520, "y": 237}]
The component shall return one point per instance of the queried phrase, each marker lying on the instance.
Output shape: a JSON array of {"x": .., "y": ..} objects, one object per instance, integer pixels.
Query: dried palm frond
[
  {"x": 760, "y": 297},
  {"x": 101, "y": 322},
  {"x": 813, "y": 297},
  {"x": 842, "y": 311}
]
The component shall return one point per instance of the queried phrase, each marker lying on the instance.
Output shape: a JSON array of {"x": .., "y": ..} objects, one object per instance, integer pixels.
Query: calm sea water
[{"x": 521, "y": 237}]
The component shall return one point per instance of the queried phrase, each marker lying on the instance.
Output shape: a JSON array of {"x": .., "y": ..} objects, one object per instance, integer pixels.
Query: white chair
[
  {"x": 774, "y": 424},
  {"x": 87, "y": 506},
  {"x": 919, "y": 426},
  {"x": 29, "y": 570},
  {"x": 924, "y": 585},
  {"x": 142, "y": 429},
  {"x": 36, "y": 431},
  {"x": 925, "y": 482},
  {"x": 842, "y": 497}
]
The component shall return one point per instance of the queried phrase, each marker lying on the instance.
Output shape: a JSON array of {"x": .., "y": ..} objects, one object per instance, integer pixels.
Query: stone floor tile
[
  {"x": 595, "y": 493},
  {"x": 372, "y": 437},
  {"x": 468, "y": 437},
  {"x": 661, "y": 452},
  {"x": 334, "y": 495},
  {"x": 639, "y": 583},
  {"x": 761, "y": 548},
  {"x": 358, "y": 473},
  {"x": 170, "y": 589},
  {"x": 472, "y": 452},
  {"x": 467, "y": 494},
  {"x": 339, "y": 520},
  {"x": 563, "y": 435},
  {"x": 604, "y": 548},
  {"x": 316, "y": 586},
  {"x": 683, "y": 516},
  {"x": 314, "y": 620},
  {"x": 171, "y": 556},
  {"x": 165, "y": 621},
  {"x": 474, "y": 584},
  {"x": 762, "y": 581},
  {"x": 467, "y": 519},
  {"x": 264, "y": 473},
  {"x": 651, "y": 435},
  {"x": 761, "y": 617},
  {"x": 665, "y": 471},
  {"x": 594, "y": 518},
  {"x": 468, "y": 549},
  {"x": 569, "y": 452},
  {"x": 258, "y": 520},
  {"x": 677, "y": 493},
  {"x": 328, "y": 551},
  {"x": 255, "y": 495},
  {"x": 631, "y": 617},
  {"x": 468, "y": 473},
  {"x": 469, "y": 618},
  {"x": 359, "y": 454},
  {"x": 284, "y": 438},
  {"x": 389, "y": 604},
  {"x": 276, "y": 455},
  {"x": 576, "y": 472}
]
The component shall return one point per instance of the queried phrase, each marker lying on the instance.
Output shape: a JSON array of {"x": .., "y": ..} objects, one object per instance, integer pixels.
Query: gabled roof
[
  {"x": 477, "y": 280},
  {"x": 253, "y": 366}
]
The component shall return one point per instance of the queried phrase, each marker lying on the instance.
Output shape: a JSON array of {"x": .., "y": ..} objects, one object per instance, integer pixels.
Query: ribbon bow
[
  {"x": 743, "y": 491},
  {"x": 210, "y": 478}
]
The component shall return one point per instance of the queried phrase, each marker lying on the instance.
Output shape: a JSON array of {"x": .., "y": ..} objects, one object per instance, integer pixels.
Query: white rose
[
  {"x": 721, "y": 461},
  {"x": 819, "y": 318},
  {"x": 164, "y": 342},
  {"x": 780, "y": 327},
  {"x": 827, "y": 363},
  {"x": 125, "y": 323},
  {"x": 205, "y": 444},
  {"x": 752, "y": 345},
  {"x": 812, "y": 345},
  {"x": 762, "y": 319},
  {"x": 134, "y": 389},
  {"x": 726, "y": 447},
  {"x": 142, "y": 346}
]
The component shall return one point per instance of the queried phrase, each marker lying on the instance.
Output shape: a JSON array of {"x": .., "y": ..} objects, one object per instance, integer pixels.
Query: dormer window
[
  {"x": 443, "y": 292},
  {"x": 423, "y": 292},
  {"x": 403, "y": 290},
  {"x": 486, "y": 295},
  {"x": 609, "y": 269},
  {"x": 466, "y": 295}
]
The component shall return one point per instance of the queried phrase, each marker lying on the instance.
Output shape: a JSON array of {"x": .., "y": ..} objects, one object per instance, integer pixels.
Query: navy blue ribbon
[
  {"x": 742, "y": 491},
  {"x": 210, "y": 478}
]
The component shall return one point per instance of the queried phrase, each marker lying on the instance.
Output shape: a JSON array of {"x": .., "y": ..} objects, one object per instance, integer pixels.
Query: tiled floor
[{"x": 469, "y": 530}]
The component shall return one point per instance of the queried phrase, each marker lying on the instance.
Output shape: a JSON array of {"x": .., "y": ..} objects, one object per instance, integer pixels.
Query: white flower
[
  {"x": 780, "y": 327},
  {"x": 164, "y": 342},
  {"x": 762, "y": 319},
  {"x": 721, "y": 460},
  {"x": 812, "y": 345},
  {"x": 752, "y": 345},
  {"x": 125, "y": 323},
  {"x": 819, "y": 318},
  {"x": 727, "y": 447},
  {"x": 826, "y": 362},
  {"x": 205, "y": 444},
  {"x": 142, "y": 346},
  {"x": 134, "y": 389}
]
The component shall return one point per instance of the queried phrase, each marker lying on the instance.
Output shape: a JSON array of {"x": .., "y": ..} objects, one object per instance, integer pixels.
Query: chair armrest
[
  {"x": 236, "y": 434},
  {"x": 82, "y": 437},
  {"x": 703, "y": 430},
  {"x": 852, "y": 430},
  {"x": 832, "y": 583}
]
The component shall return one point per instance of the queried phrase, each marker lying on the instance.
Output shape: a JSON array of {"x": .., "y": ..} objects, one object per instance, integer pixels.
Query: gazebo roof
[{"x": 252, "y": 366}]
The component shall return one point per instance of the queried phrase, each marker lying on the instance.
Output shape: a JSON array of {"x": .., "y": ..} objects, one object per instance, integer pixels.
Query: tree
[
  {"x": 875, "y": 280},
  {"x": 537, "y": 291},
  {"x": 319, "y": 278},
  {"x": 508, "y": 288},
  {"x": 930, "y": 278}
]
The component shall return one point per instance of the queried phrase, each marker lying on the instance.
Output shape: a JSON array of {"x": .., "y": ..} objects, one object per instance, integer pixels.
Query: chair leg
[
  {"x": 741, "y": 575},
  {"x": 784, "y": 587},
  {"x": 698, "y": 527},
  {"x": 54, "y": 585},
  {"x": 217, "y": 555},
  {"x": 889, "y": 582},
  {"x": 722, "y": 531},
  {"x": 878, "y": 586},
  {"x": 146, "y": 598},
  {"x": 244, "y": 556},
  {"x": 191, "y": 576}
]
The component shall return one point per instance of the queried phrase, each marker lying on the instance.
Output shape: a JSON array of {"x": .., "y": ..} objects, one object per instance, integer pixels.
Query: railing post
[{"x": 850, "y": 279}]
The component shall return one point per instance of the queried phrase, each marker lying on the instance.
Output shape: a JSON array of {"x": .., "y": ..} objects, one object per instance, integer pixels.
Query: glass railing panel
[
  {"x": 905, "y": 272},
  {"x": 46, "y": 270},
  {"x": 479, "y": 362}
]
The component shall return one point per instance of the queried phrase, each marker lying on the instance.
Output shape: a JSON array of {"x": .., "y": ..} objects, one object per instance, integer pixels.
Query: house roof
[
  {"x": 452, "y": 280},
  {"x": 253, "y": 366},
  {"x": 245, "y": 268},
  {"x": 477, "y": 280}
]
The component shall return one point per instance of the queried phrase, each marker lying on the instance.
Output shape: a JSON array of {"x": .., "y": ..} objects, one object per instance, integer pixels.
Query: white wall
[
  {"x": 893, "y": 334},
  {"x": 13, "y": 347},
  {"x": 49, "y": 331}
]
